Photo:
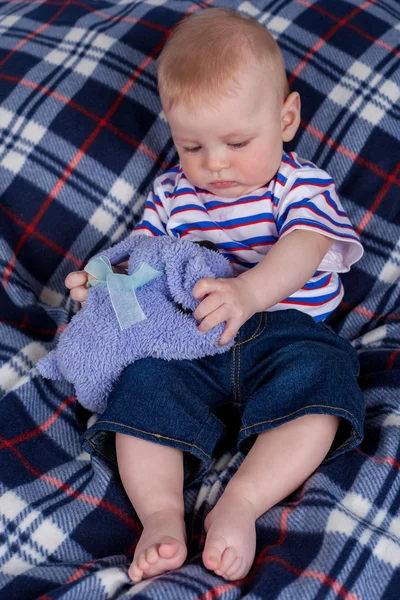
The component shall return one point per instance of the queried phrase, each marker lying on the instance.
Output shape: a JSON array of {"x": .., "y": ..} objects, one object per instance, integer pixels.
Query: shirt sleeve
[
  {"x": 154, "y": 218},
  {"x": 312, "y": 203}
]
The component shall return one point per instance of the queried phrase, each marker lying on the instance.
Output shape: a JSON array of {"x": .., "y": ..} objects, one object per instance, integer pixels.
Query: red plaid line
[
  {"x": 75, "y": 161},
  {"x": 364, "y": 34},
  {"x": 60, "y": 485},
  {"x": 340, "y": 23},
  {"x": 34, "y": 33}
]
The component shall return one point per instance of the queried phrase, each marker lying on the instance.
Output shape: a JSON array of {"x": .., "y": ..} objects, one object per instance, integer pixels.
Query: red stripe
[
  {"x": 42, "y": 238},
  {"x": 28, "y": 435},
  {"x": 97, "y": 12},
  {"x": 60, "y": 485},
  {"x": 309, "y": 225},
  {"x": 391, "y": 360},
  {"x": 327, "y": 36},
  {"x": 79, "y": 155},
  {"x": 386, "y": 460},
  {"x": 71, "y": 103},
  {"x": 239, "y": 203},
  {"x": 368, "y": 313},
  {"x": 75, "y": 161},
  {"x": 351, "y": 26},
  {"x": 81, "y": 571},
  {"x": 24, "y": 326},
  {"x": 30, "y": 36},
  {"x": 310, "y": 184},
  {"x": 343, "y": 150},
  {"x": 378, "y": 200},
  {"x": 225, "y": 227},
  {"x": 321, "y": 287},
  {"x": 310, "y": 303},
  {"x": 338, "y": 588}
]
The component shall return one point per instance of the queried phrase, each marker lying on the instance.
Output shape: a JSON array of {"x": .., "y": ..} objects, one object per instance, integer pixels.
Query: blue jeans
[{"x": 284, "y": 365}]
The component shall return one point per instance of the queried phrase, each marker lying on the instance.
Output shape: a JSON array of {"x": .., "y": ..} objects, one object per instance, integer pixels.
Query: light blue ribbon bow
[{"x": 122, "y": 288}]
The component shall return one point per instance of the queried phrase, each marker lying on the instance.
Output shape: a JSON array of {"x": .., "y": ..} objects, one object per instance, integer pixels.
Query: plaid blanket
[{"x": 81, "y": 138}]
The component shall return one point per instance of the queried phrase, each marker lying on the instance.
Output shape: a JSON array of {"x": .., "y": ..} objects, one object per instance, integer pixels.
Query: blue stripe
[
  {"x": 156, "y": 199},
  {"x": 230, "y": 223},
  {"x": 281, "y": 178},
  {"x": 178, "y": 209},
  {"x": 319, "y": 226},
  {"x": 236, "y": 260},
  {"x": 318, "y": 318},
  {"x": 153, "y": 229},
  {"x": 316, "y": 300},
  {"x": 245, "y": 199},
  {"x": 183, "y": 190},
  {"x": 331, "y": 202},
  {"x": 313, "y": 181},
  {"x": 306, "y": 204},
  {"x": 175, "y": 169},
  {"x": 316, "y": 284},
  {"x": 246, "y": 244},
  {"x": 288, "y": 159}
]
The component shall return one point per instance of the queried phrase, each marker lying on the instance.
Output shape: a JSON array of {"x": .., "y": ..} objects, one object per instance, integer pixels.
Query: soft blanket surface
[{"x": 81, "y": 139}]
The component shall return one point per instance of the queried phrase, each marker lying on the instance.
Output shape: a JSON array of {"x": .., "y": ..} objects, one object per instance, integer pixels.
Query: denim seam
[
  {"x": 233, "y": 373},
  {"x": 346, "y": 443},
  {"x": 297, "y": 411},
  {"x": 95, "y": 448},
  {"x": 156, "y": 435},
  {"x": 238, "y": 374},
  {"x": 256, "y": 333}
]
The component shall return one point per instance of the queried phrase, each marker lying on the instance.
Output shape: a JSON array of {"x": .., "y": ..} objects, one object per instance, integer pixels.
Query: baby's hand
[
  {"x": 227, "y": 300},
  {"x": 76, "y": 282}
]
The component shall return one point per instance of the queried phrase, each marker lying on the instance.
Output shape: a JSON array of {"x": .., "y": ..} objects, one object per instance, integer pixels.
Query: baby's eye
[
  {"x": 239, "y": 145},
  {"x": 195, "y": 149}
]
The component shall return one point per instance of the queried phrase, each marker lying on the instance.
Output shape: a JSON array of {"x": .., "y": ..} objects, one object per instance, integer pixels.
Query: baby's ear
[{"x": 187, "y": 262}]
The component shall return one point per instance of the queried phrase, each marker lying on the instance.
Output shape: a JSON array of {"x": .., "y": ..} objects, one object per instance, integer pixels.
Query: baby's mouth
[{"x": 221, "y": 184}]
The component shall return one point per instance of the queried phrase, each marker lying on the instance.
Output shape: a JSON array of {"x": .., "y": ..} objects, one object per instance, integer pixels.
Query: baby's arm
[{"x": 290, "y": 263}]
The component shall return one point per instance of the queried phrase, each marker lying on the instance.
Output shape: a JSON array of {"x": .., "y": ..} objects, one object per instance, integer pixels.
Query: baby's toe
[
  {"x": 212, "y": 553},
  {"x": 142, "y": 562},
  {"x": 134, "y": 572},
  {"x": 228, "y": 558},
  {"x": 235, "y": 571},
  {"x": 169, "y": 548},
  {"x": 152, "y": 555}
]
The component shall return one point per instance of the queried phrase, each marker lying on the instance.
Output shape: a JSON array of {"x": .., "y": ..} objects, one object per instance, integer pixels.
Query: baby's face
[{"x": 234, "y": 147}]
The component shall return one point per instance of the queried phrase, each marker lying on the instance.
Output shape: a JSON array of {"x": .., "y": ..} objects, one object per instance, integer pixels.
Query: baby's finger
[
  {"x": 76, "y": 279},
  {"x": 213, "y": 319},
  {"x": 79, "y": 294},
  {"x": 204, "y": 286},
  {"x": 228, "y": 334},
  {"x": 208, "y": 305}
]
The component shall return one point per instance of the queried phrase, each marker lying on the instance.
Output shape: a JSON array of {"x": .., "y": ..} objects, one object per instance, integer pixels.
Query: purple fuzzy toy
[{"x": 93, "y": 350}]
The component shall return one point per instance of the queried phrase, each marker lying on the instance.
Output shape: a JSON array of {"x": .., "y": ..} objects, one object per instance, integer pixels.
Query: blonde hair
[{"x": 209, "y": 49}]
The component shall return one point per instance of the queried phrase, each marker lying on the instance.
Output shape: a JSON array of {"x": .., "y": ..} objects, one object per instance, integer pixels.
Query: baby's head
[{"x": 224, "y": 91}]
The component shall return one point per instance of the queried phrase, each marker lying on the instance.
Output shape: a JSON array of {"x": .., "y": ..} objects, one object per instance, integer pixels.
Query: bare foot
[
  {"x": 162, "y": 545},
  {"x": 231, "y": 537}
]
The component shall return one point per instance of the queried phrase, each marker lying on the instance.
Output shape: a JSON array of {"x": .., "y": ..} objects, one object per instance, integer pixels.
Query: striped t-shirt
[{"x": 299, "y": 196}]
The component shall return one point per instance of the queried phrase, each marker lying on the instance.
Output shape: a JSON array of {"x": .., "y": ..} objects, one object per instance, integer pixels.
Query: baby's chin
[{"x": 235, "y": 190}]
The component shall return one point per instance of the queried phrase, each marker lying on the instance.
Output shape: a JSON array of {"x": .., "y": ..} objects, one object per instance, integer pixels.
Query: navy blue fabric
[{"x": 82, "y": 137}]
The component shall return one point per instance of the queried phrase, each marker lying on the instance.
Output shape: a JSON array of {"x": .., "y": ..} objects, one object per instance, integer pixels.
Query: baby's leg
[
  {"x": 280, "y": 460},
  {"x": 152, "y": 475}
]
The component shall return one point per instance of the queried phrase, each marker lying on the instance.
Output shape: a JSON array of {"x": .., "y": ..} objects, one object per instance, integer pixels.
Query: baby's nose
[{"x": 215, "y": 161}]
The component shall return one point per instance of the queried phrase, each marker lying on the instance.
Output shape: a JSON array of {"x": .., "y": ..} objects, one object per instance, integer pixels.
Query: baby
[{"x": 286, "y": 394}]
